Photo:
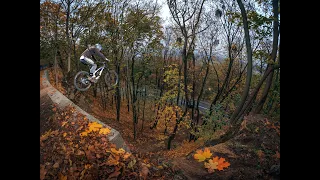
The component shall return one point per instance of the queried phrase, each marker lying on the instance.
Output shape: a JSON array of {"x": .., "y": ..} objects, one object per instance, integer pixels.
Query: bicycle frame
[{"x": 100, "y": 69}]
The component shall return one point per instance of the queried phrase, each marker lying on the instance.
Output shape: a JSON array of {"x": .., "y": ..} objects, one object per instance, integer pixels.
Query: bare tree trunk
[
  {"x": 275, "y": 89},
  {"x": 134, "y": 99},
  {"x": 179, "y": 84},
  {"x": 225, "y": 81},
  {"x": 273, "y": 56},
  {"x": 118, "y": 94},
  {"x": 235, "y": 128},
  {"x": 191, "y": 137},
  {"x": 144, "y": 104},
  {"x": 245, "y": 93}
]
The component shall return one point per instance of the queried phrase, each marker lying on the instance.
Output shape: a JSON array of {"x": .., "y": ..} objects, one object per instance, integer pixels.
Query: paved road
[{"x": 203, "y": 106}]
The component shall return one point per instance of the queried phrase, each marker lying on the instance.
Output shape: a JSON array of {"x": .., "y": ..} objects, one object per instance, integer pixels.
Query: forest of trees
[{"x": 225, "y": 53}]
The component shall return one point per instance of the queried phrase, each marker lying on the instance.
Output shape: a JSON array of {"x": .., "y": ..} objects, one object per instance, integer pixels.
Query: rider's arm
[{"x": 97, "y": 52}]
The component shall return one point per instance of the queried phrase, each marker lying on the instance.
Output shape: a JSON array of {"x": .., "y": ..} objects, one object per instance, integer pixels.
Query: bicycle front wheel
[
  {"x": 111, "y": 78},
  {"x": 81, "y": 81}
]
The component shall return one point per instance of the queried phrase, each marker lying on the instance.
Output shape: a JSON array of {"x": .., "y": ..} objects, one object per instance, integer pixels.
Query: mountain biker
[{"x": 87, "y": 56}]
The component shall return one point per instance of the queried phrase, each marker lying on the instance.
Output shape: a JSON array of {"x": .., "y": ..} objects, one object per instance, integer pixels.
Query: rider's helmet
[{"x": 98, "y": 46}]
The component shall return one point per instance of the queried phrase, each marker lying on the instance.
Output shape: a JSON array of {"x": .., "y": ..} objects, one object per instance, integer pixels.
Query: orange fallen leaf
[
  {"x": 126, "y": 155},
  {"x": 113, "y": 161},
  {"x": 222, "y": 164},
  {"x": 87, "y": 166},
  {"x": 62, "y": 177}
]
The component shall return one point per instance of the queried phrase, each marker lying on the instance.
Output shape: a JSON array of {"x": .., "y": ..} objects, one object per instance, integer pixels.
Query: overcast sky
[{"x": 165, "y": 12}]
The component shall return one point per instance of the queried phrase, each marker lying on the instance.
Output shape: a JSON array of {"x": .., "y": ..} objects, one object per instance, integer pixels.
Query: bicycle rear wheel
[
  {"x": 111, "y": 78},
  {"x": 81, "y": 81}
]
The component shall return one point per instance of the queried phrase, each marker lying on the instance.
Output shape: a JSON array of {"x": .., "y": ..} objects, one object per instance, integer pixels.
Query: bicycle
[{"x": 83, "y": 81}]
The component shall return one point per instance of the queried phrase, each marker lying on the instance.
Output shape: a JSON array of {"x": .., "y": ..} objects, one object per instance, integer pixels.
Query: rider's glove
[{"x": 107, "y": 59}]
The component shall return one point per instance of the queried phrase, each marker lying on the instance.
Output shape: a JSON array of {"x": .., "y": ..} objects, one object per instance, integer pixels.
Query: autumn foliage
[
  {"x": 79, "y": 149},
  {"x": 211, "y": 164}
]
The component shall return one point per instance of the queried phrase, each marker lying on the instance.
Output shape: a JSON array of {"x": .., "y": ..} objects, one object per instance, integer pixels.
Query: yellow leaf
[
  {"x": 202, "y": 155},
  {"x": 199, "y": 156},
  {"x": 64, "y": 134},
  {"x": 84, "y": 133},
  {"x": 94, "y": 126},
  {"x": 45, "y": 136},
  {"x": 104, "y": 131},
  {"x": 132, "y": 163},
  {"x": 207, "y": 153},
  {"x": 120, "y": 151}
]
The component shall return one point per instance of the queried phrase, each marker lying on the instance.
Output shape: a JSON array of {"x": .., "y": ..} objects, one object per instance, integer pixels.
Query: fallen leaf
[
  {"x": 82, "y": 173},
  {"x": 207, "y": 153},
  {"x": 64, "y": 134},
  {"x": 89, "y": 155},
  {"x": 87, "y": 166},
  {"x": 211, "y": 166},
  {"x": 113, "y": 161},
  {"x": 84, "y": 134},
  {"x": 199, "y": 156},
  {"x": 120, "y": 151},
  {"x": 62, "y": 177},
  {"x": 126, "y": 155},
  {"x": 45, "y": 135},
  {"x": 222, "y": 164},
  {"x": 144, "y": 171},
  {"x": 54, "y": 133},
  {"x": 131, "y": 163},
  {"x": 115, "y": 174},
  {"x": 43, "y": 171},
  {"x": 64, "y": 123},
  {"x": 94, "y": 126},
  {"x": 104, "y": 131},
  {"x": 56, "y": 165}
]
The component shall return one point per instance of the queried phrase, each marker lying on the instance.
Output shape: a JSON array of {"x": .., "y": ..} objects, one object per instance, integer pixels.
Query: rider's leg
[
  {"x": 92, "y": 69},
  {"x": 90, "y": 62}
]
